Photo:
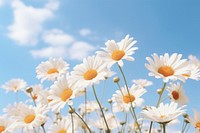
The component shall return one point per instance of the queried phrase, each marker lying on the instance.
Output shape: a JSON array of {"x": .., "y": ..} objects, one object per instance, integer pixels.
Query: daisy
[
  {"x": 177, "y": 94},
  {"x": 167, "y": 67},
  {"x": 14, "y": 85},
  {"x": 116, "y": 52},
  {"x": 51, "y": 69},
  {"x": 164, "y": 113},
  {"x": 195, "y": 122},
  {"x": 89, "y": 107},
  {"x": 61, "y": 93},
  {"x": 6, "y": 124},
  {"x": 142, "y": 83},
  {"x": 122, "y": 99},
  {"x": 61, "y": 126},
  {"x": 35, "y": 90},
  {"x": 90, "y": 72},
  {"x": 194, "y": 67},
  {"x": 42, "y": 97},
  {"x": 28, "y": 117},
  {"x": 111, "y": 120}
]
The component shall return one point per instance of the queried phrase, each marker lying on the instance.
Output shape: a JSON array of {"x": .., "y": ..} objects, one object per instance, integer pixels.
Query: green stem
[
  {"x": 103, "y": 91},
  {"x": 108, "y": 130},
  {"x": 43, "y": 128},
  {"x": 161, "y": 93},
  {"x": 158, "y": 103},
  {"x": 72, "y": 123},
  {"x": 129, "y": 97},
  {"x": 164, "y": 128},
  {"x": 81, "y": 119},
  {"x": 33, "y": 99}
]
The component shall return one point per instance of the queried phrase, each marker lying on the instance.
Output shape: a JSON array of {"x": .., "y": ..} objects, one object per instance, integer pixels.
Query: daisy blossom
[
  {"x": 195, "y": 122},
  {"x": 14, "y": 85},
  {"x": 7, "y": 125},
  {"x": 89, "y": 107},
  {"x": 61, "y": 93},
  {"x": 142, "y": 83},
  {"x": 51, "y": 69},
  {"x": 28, "y": 117},
  {"x": 111, "y": 120},
  {"x": 164, "y": 113},
  {"x": 116, "y": 52},
  {"x": 91, "y": 71},
  {"x": 61, "y": 126},
  {"x": 194, "y": 60},
  {"x": 177, "y": 94},
  {"x": 167, "y": 67},
  {"x": 36, "y": 89},
  {"x": 42, "y": 97},
  {"x": 122, "y": 99}
]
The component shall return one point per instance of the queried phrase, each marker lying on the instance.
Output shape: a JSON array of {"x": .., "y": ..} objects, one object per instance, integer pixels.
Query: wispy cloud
[
  {"x": 49, "y": 52},
  {"x": 80, "y": 50},
  {"x": 1, "y": 2},
  {"x": 28, "y": 21},
  {"x": 85, "y": 32},
  {"x": 57, "y": 37}
]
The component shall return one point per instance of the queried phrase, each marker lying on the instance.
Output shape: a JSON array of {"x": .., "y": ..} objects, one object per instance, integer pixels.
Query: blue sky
[{"x": 32, "y": 31}]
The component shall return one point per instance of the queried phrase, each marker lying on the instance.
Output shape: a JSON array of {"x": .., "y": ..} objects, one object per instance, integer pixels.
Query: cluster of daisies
[{"x": 54, "y": 109}]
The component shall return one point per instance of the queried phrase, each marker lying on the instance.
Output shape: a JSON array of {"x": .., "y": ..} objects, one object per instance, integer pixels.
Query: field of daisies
[{"x": 55, "y": 109}]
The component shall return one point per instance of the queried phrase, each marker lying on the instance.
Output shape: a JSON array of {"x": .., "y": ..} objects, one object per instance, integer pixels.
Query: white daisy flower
[
  {"x": 177, "y": 94},
  {"x": 122, "y": 99},
  {"x": 195, "y": 122},
  {"x": 112, "y": 121},
  {"x": 14, "y": 85},
  {"x": 194, "y": 60},
  {"x": 90, "y": 72},
  {"x": 142, "y": 83},
  {"x": 27, "y": 117},
  {"x": 164, "y": 113},
  {"x": 51, "y": 69},
  {"x": 61, "y": 93},
  {"x": 89, "y": 107},
  {"x": 42, "y": 97},
  {"x": 167, "y": 67},
  {"x": 61, "y": 126},
  {"x": 7, "y": 125},
  {"x": 36, "y": 89},
  {"x": 116, "y": 52}
]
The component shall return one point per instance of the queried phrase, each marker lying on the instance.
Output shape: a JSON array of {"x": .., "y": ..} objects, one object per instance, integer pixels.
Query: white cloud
[
  {"x": 49, "y": 52},
  {"x": 28, "y": 22},
  {"x": 57, "y": 37},
  {"x": 80, "y": 50},
  {"x": 85, "y": 32},
  {"x": 1, "y": 2}
]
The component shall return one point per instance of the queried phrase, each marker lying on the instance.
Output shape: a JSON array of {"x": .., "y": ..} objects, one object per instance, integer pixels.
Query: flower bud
[
  {"x": 29, "y": 90},
  {"x": 116, "y": 79}
]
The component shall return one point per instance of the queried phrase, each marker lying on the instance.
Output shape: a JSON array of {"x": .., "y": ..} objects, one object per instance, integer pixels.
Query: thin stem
[
  {"x": 72, "y": 123},
  {"x": 43, "y": 128},
  {"x": 158, "y": 103},
  {"x": 108, "y": 130},
  {"x": 164, "y": 128},
  {"x": 81, "y": 119},
  {"x": 33, "y": 99},
  {"x": 129, "y": 97},
  {"x": 17, "y": 96},
  {"x": 114, "y": 116},
  {"x": 120, "y": 88},
  {"x": 86, "y": 106},
  {"x": 184, "y": 127},
  {"x": 161, "y": 93}
]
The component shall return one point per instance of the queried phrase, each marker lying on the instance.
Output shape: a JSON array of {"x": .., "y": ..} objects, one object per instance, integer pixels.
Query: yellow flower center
[
  {"x": 117, "y": 55},
  {"x": 29, "y": 118},
  {"x": 162, "y": 116},
  {"x": 198, "y": 125},
  {"x": 90, "y": 74},
  {"x": 2, "y": 128},
  {"x": 62, "y": 131},
  {"x": 166, "y": 71},
  {"x": 128, "y": 98},
  {"x": 66, "y": 94},
  {"x": 186, "y": 75},
  {"x": 49, "y": 100},
  {"x": 34, "y": 97},
  {"x": 175, "y": 95},
  {"x": 52, "y": 71}
]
